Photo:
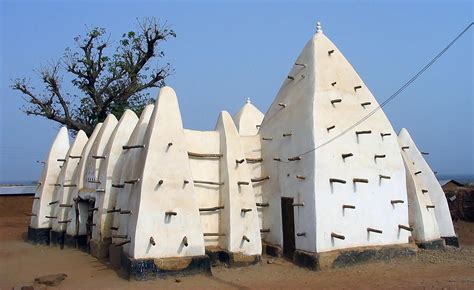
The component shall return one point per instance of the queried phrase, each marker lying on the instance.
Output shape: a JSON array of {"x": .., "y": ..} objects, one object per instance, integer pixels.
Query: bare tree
[{"x": 102, "y": 82}]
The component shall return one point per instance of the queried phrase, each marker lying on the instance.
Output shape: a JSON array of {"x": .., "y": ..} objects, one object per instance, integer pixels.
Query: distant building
[{"x": 450, "y": 184}]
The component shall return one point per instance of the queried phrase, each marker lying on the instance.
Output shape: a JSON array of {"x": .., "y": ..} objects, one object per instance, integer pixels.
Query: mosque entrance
[
  {"x": 288, "y": 224},
  {"x": 85, "y": 218}
]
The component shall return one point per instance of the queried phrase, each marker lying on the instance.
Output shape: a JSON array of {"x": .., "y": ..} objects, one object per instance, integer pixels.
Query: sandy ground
[{"x": 21, "y": 262}]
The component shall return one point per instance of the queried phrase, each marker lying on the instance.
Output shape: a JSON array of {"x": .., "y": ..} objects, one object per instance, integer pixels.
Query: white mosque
[{"x": 300, "y": 181}]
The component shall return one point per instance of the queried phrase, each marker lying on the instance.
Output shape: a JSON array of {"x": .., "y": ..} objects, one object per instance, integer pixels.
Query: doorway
[{"x": 288, "y": 225}]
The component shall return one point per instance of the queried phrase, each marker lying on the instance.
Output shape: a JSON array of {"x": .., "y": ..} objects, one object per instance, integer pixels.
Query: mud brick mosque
[{"x": 158, "y": 199}]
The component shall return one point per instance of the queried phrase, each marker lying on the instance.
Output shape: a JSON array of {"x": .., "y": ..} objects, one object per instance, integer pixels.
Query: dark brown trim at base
[
  {"x": 79, "y": 242},
  {"x": 218, "y": 256},
  {"x": 272, "y": 250},
  {"x": 57, "y": 238},
  {"x": 350, "y": 257},
  {"x": 115, "y": 256},
  {"x": 100, "y": 249},
  {"x": 437, "y": 244},
  {"x": 39, "y": 236},
  {"x": 451, "y": 241},
  {"x": 148, "y": 269}
]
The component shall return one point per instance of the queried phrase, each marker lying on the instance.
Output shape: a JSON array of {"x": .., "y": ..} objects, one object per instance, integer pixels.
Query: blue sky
[{"x": 229, "y": 50}]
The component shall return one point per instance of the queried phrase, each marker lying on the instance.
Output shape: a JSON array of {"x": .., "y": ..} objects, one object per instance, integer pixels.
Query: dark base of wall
[
  {"x": 57, "y": 238},
  {"x": 39, "y": 236},
  {"x": 272, "y": 250},
  {"x": 147, "y": 269},
  {"x": 115, "y": 256},
  {"x": 350, "y": 257},
  {"x": 437, "y": 244},
  {"x": 451, "y": 241},
  {"x": 79, "y": 242},
  {"x": 100, "y": 249},
  {"x": 218, "y": 256}
]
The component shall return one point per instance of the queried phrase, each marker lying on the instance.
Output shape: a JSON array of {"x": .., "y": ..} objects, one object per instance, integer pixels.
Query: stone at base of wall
[
  {"x": 350, "y": 257},
  {"x": 39, "y": 236},
  {"x": 436, "y": 244},
  {"x": 218, "y": 256},
  {"x": 100, "y": 249},
  {"x": 148, "y": 269},
  {"x": 451, "y": 241},
  {"x": 272, "y": 250},
  {"x": 115, "y": 256},
  {"x": 57, "y": 238},
  {"x": 79, "y": 242}
]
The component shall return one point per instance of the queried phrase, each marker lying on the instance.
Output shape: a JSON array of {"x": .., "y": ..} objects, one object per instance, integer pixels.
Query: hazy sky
[{"x": 229, "y": 50}]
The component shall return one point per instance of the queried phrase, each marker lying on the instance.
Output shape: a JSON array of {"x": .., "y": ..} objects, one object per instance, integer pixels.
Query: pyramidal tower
[{"x": 343, "y": 185}]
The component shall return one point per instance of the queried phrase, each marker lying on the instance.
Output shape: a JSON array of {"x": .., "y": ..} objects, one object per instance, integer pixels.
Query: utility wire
[{"x": 400, "y": 90}]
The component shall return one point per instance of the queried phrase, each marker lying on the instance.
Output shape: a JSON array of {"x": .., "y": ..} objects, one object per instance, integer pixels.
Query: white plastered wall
[
  {"x": 49, "y": 177},
  {"x": 150, "y": 200},
  {"x": 72, "y": 228},
  {"x": 206, "y": 169},
  {"x": 239, "y": 218},
  {"x": 376, "y": 158},
  {"x": 428, "y": 181},
  {"x": 106, "y": 195},
  {"x": 62, "y": 193},
  {"x": 129, "y": 172},
  {"x": 423, "y": 217}
]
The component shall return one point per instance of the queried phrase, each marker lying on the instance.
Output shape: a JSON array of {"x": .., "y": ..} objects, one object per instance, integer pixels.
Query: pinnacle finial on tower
[
  {"x": 248, "y": 101},
  {"x": 319, "y": 28}
]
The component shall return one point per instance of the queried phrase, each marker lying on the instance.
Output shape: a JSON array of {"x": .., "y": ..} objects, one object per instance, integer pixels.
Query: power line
[{"x": 394, "y": 95}]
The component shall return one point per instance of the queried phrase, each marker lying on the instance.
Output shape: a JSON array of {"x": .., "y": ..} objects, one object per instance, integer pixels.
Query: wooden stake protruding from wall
[
  {"x": 127, "y": 147},
  {"x": 374, "y": 230},
  {"x": 337, "y": 180},
  {"x": 303, "y": 234},
  {"x": 204, "y": 155},
  {"x": 384, "y": 176},
  {"x": 330, "y": 52},
  {"x": 379, "y": 156},
  {"x": 418, "y": 172},
  {"x": 301, "y": 177},
  {"x": 185, "y": 241},
  {"x": 123, "y": 243},
  {"x": 357, "y": 87},
  {"x": 335, "y": 101},
  {"x": 333, "y": 84},
  {"x": 254, "y": 160},
  {"x": 242, "y": 183},
  {"x": 360, "y": 180},
  {"x": 344, "y": 206},
  {"x": 282, "y": 105},
  {"x": 208, "y": 182},
  {"x": 330, "y": 128},
  {"x": 246, "y": 239},
  {"x": 152, "y": 241},
  {"x": 262, "y": 204},
  {"x": 365, "y": 104},
  {"x": 402, "y": 227},
  {"x": 267, "y": 138},
  {"x": 287, "y": 134},
  {"x": 385, "y": 134},
  {"x": 346, "y": 155},
  {"x": 258, "y": 179},
  {"x": 430, "y": 206},
  {"x": 296, "y": 158},
  {"x": 211, "y": 208},
  {"x": 363, "y": 132},
  {"x": 245, "y": 210},
  {"x": 240, "y": 161},
  {"x": 170, "y": 213},
  {"x": 395, "y": 201},
  {"x": 98, "y": 157},
  {"x": 132, "y": 181},
  {"x": 118, "y": 185},
  {"x": 264, "y": 231},
  {"x": 337, "y": 236},
  {"x": 405, "y": 148}
]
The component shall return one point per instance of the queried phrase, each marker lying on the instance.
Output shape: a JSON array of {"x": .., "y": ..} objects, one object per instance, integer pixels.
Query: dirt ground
[{"x": 21, "y": 262}]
